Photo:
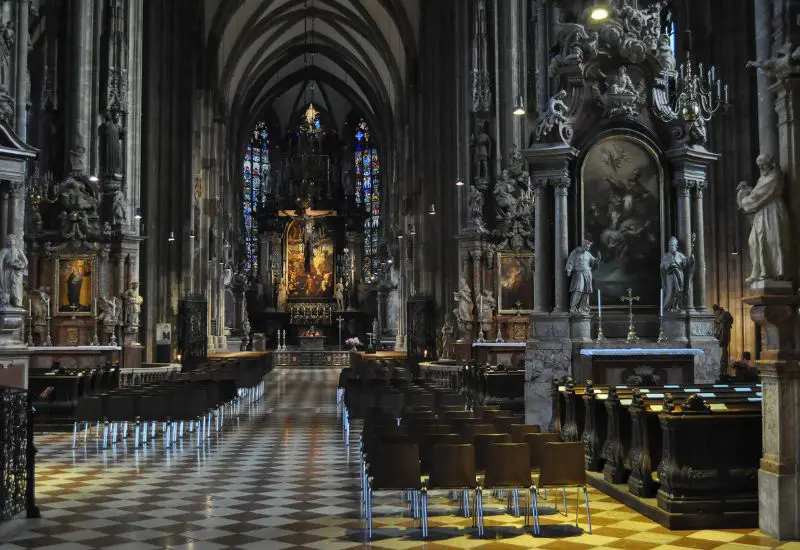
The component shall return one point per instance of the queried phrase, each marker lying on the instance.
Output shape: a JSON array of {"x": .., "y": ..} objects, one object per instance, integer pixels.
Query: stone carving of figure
[
  {"x": 40, "y": 306},
  {"x": 76, "y": 160},
  {"x": 447, "y": 335},
  {"x": 554, "y": 115},
  {"x": 339, "y": 293},
  {"x": 676, "y": 276},
  {"x": 119, "y": 209},
  {"x": 13, "y": 266},
  {"x": 487, "y": 307},
  {"x": 475, "y": 203},
  {"x": 664, "y": 54},
  {"x": 580, "y": 264},
  {"x": 133, "y": 305},
  {"x": 111, "y": 135},
  {"x": 723, "y": 321},
  {"x": 464, "y": 307},
  {"x": 227, "y": 276},
  {"x": 576, "y": 45},
  {"x": 770, "y": 229},
  {"x": 109, "y": 310},
  {"x": 283, "y": 294},
  {"x": 785, "y": 63},
  {"x": 620, "y": 83},
  {"x": 6, "y": 105},
  {"x": 504, "y": 199},
  {"x": 481, "y": 146}
]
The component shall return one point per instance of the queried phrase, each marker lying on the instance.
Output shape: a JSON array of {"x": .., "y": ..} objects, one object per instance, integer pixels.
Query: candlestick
[
  {"x": 661, "y": 303},
  {"x": 661, "y": 336},
  {"x": 599, "y": 305}
]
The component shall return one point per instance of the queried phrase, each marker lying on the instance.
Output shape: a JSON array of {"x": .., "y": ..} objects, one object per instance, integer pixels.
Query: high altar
[
  {"x": 312, "y": 233},
  {"x": 611, "y": 162}
]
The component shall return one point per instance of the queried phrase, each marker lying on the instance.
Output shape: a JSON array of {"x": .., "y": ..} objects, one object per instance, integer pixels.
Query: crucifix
[
  {"x": 630, "y": 299},
  {"x": 340, "y": 320},
  {"x": 519, "y": 307}
]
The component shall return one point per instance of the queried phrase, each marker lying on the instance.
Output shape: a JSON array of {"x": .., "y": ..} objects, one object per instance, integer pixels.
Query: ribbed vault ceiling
[{"x": 272, "y": 54}]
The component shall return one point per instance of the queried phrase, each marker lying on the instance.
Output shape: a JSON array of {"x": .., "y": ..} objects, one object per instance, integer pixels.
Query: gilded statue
[{"x": 769, "y": 232}]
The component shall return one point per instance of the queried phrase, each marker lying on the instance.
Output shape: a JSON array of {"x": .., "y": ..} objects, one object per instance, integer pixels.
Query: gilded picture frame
[
  {"x": 515, "y": 282},
  {"x": 622, "y": 213},
  {"x": 75, "y": 286}
]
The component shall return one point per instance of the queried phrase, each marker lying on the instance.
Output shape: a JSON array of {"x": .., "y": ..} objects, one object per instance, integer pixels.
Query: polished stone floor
[{"x": 280, "y": 476}]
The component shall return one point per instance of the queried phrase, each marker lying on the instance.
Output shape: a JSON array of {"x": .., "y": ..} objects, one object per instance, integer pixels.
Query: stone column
[
  {"x": 540, "y": 221},
  {"x": 561, "y": 240},
  {"x": 684, "y": 206},
  {"x": 382, "y": 296},
  {"x": 81, "y": 49},
  {"x": 5, "y": 213},
  {"x": 767, "y": 121},
  {"x": 16, "y": 211},
  {"x": 542, "y": 55},
  {"x": 21, "y": 88},
  {"x": 354, "y": 245},
  {"x": 787, "y": 99},
  {"x": 699, "y": 249}
]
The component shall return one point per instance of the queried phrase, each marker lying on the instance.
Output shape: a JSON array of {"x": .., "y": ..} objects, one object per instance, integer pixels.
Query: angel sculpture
[{"x": 555, "y": 115}]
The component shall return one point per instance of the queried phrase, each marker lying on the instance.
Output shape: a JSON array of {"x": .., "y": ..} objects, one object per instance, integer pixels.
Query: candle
[
  {"x": 599, "y": 305},
  {"x": 661, "y": 303}
]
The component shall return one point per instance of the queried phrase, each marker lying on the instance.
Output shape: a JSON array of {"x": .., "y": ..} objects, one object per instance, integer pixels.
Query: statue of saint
[
  {"x": 676, "y": 276},
  {"x": 620, "y": 83},
  {"x": 227, "y": 276},
  {"x": 487, "y": 306},
  {"x": 339, "y": 293},
  {"x": 505, "y": 202},
  {"x": 723, "y": 321},
  {"x": 283, "y": 294},
  {"x": 464, "y": 307},
  {"x": 481, "y": 147},
  {"x": 111, "y": 135},
  {"x": 770, "y": 230},
  {"x": 40, "y": 306},
  {"x": 109, "y": 310},
  {"x": 133, "y": 305},
  {"x": 580, "y": 264},
  {"x": 119, "y": 209},
  {"x": 74, "y": 286},
  {"x": 447, "y": 334},
  {"x": 475, "y": 203},
  {"x": 13, "y": 266}
]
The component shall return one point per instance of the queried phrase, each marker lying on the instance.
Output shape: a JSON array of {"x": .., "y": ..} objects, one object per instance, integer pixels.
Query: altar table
[
  {"x": 308, "y": 343},
  {"x": 637, "y": 366},
  {"x": 499, "y": 353}
]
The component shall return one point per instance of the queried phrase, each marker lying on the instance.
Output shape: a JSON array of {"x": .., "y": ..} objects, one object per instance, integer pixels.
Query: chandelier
[{"x": 695, "y": 97}]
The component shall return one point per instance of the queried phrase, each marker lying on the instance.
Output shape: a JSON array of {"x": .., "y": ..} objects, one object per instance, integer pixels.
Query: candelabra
[
  {"x": 283, "y": 346},
  {"x": 499, "y": 338},
  {"x": 600, "y": 336},
  {"x": 661, "y": 336},
  {"x": 113, "y": 340},
  {"x": 95, "y": 338},
  {"x": 695, "y": 97},
  {"x": 48, "y": 340}
]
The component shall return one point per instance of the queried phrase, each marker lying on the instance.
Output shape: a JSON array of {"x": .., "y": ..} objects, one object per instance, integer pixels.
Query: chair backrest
[
  {"x": 426, "y": 451},
  {"x": 508, "y": 465},
  {"x": 396, "y": 466},
  {"x": 452, "y": 467},
  {"x": 491, "y": 414},
  {"x": 562, "y": 465},
  {"x": 482, "y": 442},
  {"x": 536, "y": 442},
  {"x": 503, "y": 423},
  {"x": 469, "y": 431},
  {"x": 519, "y": 431}
]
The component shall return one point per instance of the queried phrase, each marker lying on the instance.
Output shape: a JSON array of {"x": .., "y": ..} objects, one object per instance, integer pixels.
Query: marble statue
[
  {"x": 109, "y": 310},
  {"x": 620, "y": 83},
  {"x": 13, "y": 266},
  {"x": 676, "y": 276},
  {"x": 245, "y": 332},
  {"x": 283, "y": 294},
  {"x": 475, "y": 203},
  {"x": 580, "y": 264},
  {"x": 723, "y": 321},
  {"x": 504, "y": 200},
  {"x": 464, "y": 307},
  {"x": 487, "y": 306},
  {"x": 119, "y": 209},
  {"x": 770, "y": 230},
  {"x": 481, "y": 147},
  {"x": 111, "y": 135},
  {"x": 621, "y": 97},
  {"x": 40, "y": 306},
  {"x": 132, "y": 304},
  {"x": 227, "y": 276},
  {"x": 339, "y": 293},
  {"x": 555, "y": 116},
  {"x": 447, "y": 335},
  {"x": 664, "y": 55},
  {"x": 575, "y": 45}
]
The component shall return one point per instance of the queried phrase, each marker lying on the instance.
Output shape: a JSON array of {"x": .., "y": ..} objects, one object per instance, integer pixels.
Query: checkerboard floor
[{"x": 279, "y": 477}]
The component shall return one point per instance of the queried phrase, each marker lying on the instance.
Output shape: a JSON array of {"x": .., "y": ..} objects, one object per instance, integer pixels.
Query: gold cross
[
  {"x": 630, "y": 298},
  {"x": 519, "y": 307}
]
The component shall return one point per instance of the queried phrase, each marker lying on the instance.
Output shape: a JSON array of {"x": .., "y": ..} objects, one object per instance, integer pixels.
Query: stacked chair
[
  {"x": 419, "y": 436},
  {"x": 199, "y": 401}
]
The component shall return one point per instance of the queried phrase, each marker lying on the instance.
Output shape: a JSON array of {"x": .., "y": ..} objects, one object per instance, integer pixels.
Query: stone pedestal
[
  {"x": 779, "y": 469},
  {"x": 580, "y": 327},
  {"x": 548, "y": 356},
  {"x": 14, "y": 356}
]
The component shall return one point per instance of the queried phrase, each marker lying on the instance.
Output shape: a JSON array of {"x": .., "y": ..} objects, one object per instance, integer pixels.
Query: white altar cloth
[
  {"x": 640, "y": 351},
  {"x": 517, "y": 345}
]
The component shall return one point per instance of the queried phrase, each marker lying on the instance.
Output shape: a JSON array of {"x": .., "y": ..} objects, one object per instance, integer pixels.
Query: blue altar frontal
[{"x": 609, "y": 352}]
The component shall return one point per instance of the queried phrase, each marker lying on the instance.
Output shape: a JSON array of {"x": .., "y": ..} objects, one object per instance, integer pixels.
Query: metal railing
[{"x": 17, "y": 455}]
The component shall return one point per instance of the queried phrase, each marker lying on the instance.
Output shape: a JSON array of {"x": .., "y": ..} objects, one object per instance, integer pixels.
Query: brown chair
[
  {"x": 469, "y": 431},
  {"x": 508, "y": 467},
  {"x": 519, "y": 431},
  {"x": 426, "y": 451},
  {"x": 396, "y": 467},
  {"x": 454, "y": 469},
  {"x": 482, "y": 443},
  {"x": 562, "y": 466},
  {"x": 491, "y": 414},
  {"x": 503, "y": 423},
  {"x": 536, "y": 442}
]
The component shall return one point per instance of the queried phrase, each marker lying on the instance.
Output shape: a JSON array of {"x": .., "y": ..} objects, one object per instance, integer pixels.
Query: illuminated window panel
[
  {"x": 256, "y": 182},
  {"x": 368, "y": 182}
]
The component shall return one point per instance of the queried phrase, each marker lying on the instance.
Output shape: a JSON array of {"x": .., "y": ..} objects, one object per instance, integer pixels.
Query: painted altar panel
[
  {"x": 316, "y": 281},
  {"x": 75, "y": 286},
  {"x": 514, "y": 282},
  {"x": 623, "y": 215}
]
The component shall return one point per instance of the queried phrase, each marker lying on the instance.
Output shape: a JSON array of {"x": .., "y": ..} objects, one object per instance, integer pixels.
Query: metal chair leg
[
  {"x": 536, "y": 527},
  {"x": 588, "y": 512},
  {"x": 74, "y": 433},
  {"x": 424, "y": 512},
  {"x": 564, "y": 491},
  {"x": 479, "y": 506}
]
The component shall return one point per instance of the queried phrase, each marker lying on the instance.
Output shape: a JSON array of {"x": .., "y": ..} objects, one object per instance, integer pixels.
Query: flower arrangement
[{"x": 353, "y": 342}]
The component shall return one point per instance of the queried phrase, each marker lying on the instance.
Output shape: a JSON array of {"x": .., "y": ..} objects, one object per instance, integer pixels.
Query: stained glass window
[
  {"x": 368, "y": 194},
  {"x": 256, "y": 184},
  {"x": 669, "y": 28}
]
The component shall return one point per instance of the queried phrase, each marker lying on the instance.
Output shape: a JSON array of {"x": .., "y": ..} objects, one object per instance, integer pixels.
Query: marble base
[
  {"x": 12, "y": 323},
  {"x": 778, "y": 495},
  {"x": 771, "y": 287},
  {"x": 580, "y": 327}
]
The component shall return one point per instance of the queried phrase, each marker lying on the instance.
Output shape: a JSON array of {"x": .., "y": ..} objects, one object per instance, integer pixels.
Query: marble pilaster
[
  {"x": 540, "y": 223},
  {"x": 561, "y": 240},
  {"x": 699, "y": 248},
  {"x": 787, "y": 99},
  {"x": 22, "y": 80},
  {"x": 684, "y": 225},
  {"x": 767, "y": 121}
]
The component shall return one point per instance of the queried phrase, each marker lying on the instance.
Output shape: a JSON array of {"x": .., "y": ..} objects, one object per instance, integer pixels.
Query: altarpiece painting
[
  {"x": 309, "y": 275},
  {"x": 622, "y": 213},
  {"x": 74, "y": 286},
  {"x": 515, "y": 282}
]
